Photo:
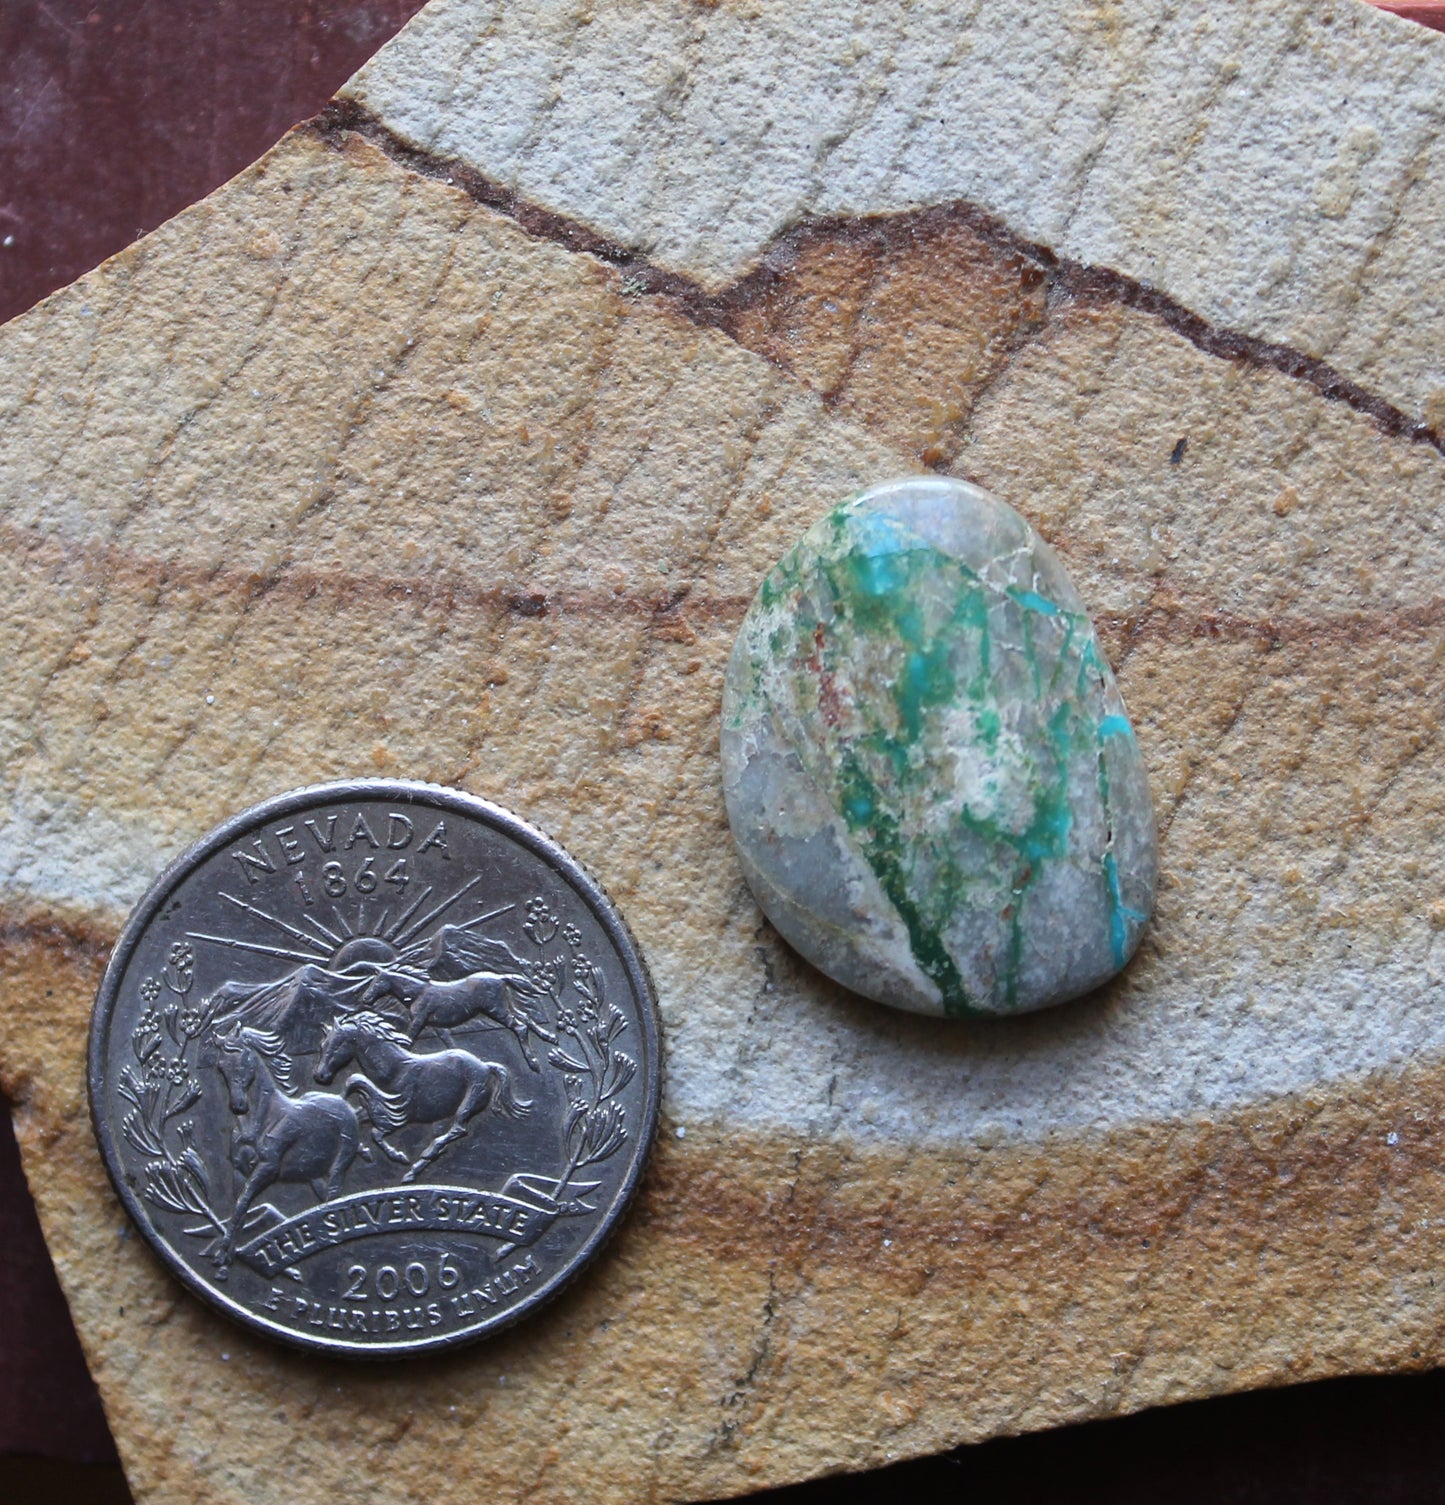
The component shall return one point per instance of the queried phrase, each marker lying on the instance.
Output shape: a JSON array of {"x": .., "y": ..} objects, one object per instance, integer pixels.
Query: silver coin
[{"x": 375, "y": 1067}]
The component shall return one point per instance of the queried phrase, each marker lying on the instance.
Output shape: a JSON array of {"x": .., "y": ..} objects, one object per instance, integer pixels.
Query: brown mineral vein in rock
[
  {"x": 836, "y": 301},
  {"x": 1274, "y": 168},
  {"x": 343, "y": 470},
  {"x": 1170, "y": 613}
]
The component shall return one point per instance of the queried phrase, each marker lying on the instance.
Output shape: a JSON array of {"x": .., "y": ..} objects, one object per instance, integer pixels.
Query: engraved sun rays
[{"x": 323, "y": 943}]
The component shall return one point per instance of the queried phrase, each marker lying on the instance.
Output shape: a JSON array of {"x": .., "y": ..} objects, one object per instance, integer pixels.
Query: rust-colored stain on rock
[{"x": 412, "y": 478}]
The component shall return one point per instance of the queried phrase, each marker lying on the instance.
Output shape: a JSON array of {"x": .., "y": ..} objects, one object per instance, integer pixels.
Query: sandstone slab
[
  {"x": 1187, "y": 148},
  {"x": 372, "y": 462}
]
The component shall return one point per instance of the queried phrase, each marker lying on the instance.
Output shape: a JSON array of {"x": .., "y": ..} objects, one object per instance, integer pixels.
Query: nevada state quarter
[{"x": 375, "y": 1067}]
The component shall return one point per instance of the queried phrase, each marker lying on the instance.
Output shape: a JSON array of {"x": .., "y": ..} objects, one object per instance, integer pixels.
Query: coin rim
[{"x": 409, "y": 791}]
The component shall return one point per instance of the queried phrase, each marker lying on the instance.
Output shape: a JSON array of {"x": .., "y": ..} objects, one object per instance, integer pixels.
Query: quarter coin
[{"x": 375, "y": 1067}]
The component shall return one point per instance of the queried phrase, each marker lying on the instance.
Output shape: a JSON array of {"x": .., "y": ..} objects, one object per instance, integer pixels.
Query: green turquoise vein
[{"x": 870, "y": 583}]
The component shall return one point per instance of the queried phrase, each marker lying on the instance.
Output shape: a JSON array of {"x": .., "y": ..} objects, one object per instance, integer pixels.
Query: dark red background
[{"x": 116, "y": 114}]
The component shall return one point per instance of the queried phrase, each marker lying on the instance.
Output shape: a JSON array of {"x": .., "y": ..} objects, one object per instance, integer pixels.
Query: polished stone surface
[{"x": 936, "y": 793}]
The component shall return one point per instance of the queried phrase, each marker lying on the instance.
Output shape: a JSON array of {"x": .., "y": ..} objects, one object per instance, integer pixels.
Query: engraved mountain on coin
[{"x": 373, "y": 1075}]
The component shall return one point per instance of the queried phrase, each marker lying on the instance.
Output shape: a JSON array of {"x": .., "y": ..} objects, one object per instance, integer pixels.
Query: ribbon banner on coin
[{"x": 375, "y": 1067}]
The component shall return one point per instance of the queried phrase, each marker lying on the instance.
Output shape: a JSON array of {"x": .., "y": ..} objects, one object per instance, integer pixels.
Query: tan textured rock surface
[
  {"x": 344, "y": 471},
  {"x": 1276, "y": 168}
]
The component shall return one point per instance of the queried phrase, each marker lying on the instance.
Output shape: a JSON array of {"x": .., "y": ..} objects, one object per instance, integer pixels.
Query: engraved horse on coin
[
  {"x": 457, "y": 978},
  {"x": 399, "y": 1086},
  {"x": 442, "y": 1005},
  {"x": 311, "y": 1138}
]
